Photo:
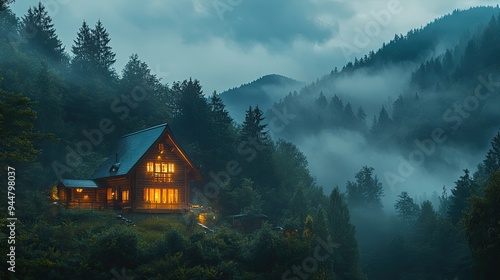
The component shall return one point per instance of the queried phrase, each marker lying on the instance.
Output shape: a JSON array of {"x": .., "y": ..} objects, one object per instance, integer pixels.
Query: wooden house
[{"x": 146, "y": 172}]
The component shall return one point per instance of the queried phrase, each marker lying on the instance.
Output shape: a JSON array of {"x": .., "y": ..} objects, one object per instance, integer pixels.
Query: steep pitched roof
[{"x": 131, "y": 148}]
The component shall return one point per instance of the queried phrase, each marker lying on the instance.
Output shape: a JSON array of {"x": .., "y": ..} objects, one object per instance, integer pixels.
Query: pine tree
[
  {"x": 426, "y": 222},
  {"x": 366, "y": 192},
  {"x": 191, "y": 110},
  {"x": 383, "y": 121},
  {"x": 349, "y": 119},
  {"x": 343, "y": 233},
  {"x": 38, "y": 30},
  {"x": 448, "y": 61},
  {"x": 490, "y": 164},
  {"x": 83, "y": 57},
  {"x": 4, "y": 4},
  {"x": 406, "y": 209},
  {"x": 253, "y": 126},
  {"x": 336, "y": 106},
  {"x": 399, "y": 110},
  {"x": 17, "y": 138},
  {"x": 492, "y": 160},
  {"x": 444, "y": 203},
  {"x": 464, "y": 189},
  {"x": 8, "y": 21},
  {"x": 321, "y": 102},
  {"x": 298, "y": 205},
  {"x": 138, "y": 79},
  {"x": 103, "y": 55},
  {"x": 320, "y": 228},
  {"x": 361, "y": 116},
  {"x": 92, "y": 53},
  {"x": 483, "y": 230}
]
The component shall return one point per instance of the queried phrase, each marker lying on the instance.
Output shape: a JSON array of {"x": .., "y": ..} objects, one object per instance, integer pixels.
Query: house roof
[
  {"x": 74, "y": 183},
  {"x": 131, "y": 148}
]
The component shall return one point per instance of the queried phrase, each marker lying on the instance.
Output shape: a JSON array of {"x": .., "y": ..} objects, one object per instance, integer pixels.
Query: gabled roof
[
  {"x": 131, "y": 148},
  {"x": 74, "y": 183}
]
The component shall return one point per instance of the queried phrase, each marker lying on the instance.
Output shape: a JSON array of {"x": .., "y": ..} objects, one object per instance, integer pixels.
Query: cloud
[{"x": 207, "y": 39}]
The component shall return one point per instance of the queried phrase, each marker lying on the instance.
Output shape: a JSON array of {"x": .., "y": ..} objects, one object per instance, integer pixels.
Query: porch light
[{"x": 79, "y": 190}]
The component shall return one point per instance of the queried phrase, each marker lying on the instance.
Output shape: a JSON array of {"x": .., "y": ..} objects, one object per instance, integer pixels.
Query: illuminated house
[{"x": 147, "y": 172}]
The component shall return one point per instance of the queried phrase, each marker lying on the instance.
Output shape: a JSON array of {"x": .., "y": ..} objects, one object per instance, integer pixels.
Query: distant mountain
[{"x": 262, "y": 92}]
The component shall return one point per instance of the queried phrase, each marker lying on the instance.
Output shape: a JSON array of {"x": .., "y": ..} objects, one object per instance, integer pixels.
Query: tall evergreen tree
[
  {"x": 366, "y": 192},
  {"x": 82, "y": 49},
  {"x": 383, "y": 121},
  {"x": 137, "y": 79},
  {"x": 483, "y": 230},
  {"x": 92, "y": 53},
  {"x": 361, "y": 116},
  {"x": 320, "y": 227},
  {"x": 192, "y": 111},
  {"x": 38, "y": 30},
  {"x": 490, "y": 164},
  {"x": 4, "y": 4},
  {"x": 349, "y": 119},
  {"x": 464, "y": 189},
  {"x": 104, "y": 57},
  {"x": 17, "y": 138},
  {"x": 406, "y": 209},
  {"x": 253, "y": 126},
  {"x": 8, "y": 21},
  {"x": 223, "y": 132},
  {"x": 343, "y": 233}
]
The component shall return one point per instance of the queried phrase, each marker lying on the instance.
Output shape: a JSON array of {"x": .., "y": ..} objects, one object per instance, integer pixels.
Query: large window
[
  {"x": 125, "y": 195},
  {"x": 167, "y": 196},
  {"x": 160, "y": 172}
]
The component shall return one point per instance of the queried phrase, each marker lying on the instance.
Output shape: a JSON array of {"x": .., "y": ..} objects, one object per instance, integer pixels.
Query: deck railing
[{"x": 87, "y": 204}]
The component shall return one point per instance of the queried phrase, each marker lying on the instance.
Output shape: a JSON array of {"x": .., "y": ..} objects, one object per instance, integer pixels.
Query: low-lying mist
[{"x": 335, "y": 157}]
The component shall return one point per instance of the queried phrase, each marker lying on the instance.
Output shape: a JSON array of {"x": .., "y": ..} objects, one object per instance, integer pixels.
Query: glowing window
[
  {"x": 166, "y": 196},
  {"x": 149, "y": 167},
  {"x": 125, "y": 195}
]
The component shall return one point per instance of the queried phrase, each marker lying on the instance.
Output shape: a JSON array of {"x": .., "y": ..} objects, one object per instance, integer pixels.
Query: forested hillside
[{"x": 56, "y": 99}]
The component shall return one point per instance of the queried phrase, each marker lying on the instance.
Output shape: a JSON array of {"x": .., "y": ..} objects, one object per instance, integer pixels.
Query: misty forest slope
[{"x": 443, "y": 76}]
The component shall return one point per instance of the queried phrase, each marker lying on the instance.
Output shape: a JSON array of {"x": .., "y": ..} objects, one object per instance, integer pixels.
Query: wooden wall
[{"x": 142, "y": 179}]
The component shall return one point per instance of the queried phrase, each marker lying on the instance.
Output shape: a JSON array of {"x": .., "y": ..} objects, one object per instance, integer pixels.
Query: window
[
  {"x": 166, "y": 196},
  {"x": 125, "y": 195},
  {"x": 150, "y": 167},
  {"x": 109, "y": 194},
  {"x": 160, "y": 172}
]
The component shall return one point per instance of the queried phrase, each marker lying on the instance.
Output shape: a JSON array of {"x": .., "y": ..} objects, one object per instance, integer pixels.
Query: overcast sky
[{"x": 225, "y": 43}]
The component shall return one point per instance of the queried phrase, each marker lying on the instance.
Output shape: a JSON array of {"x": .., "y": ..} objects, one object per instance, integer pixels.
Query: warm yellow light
[
  {"x": 85, "y": 197},
  {"x": 149, "y": 167},
  {"x": 79, "y": 190},
  {"x": 54, "y": 193},
  {"x": 159, "y": 157},
  {"x": 201, "y": 219}
]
